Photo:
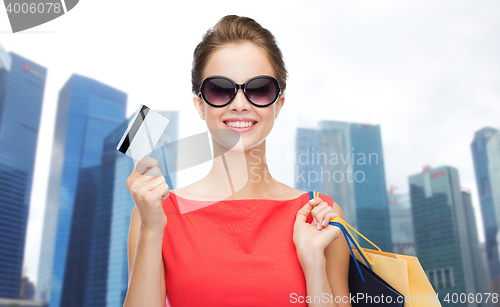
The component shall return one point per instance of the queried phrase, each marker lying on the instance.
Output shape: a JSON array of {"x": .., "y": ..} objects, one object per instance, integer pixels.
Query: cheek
[
  {"x": 213, "y": 116},
  {"x": 268, "y": 116}
]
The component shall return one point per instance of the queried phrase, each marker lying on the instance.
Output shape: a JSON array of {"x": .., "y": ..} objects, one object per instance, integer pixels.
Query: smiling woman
[{"x": 232, "y": 239}]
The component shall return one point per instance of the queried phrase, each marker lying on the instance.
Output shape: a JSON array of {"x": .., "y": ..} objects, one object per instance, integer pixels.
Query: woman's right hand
[{"x": 149, "y": 188}]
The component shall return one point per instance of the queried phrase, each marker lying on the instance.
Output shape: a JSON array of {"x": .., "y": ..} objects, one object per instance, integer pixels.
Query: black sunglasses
[{"x": 219, "y": 91}]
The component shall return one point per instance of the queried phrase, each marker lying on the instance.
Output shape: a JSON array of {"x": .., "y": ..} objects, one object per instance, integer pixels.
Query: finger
[
  {"x": 328, "y": 216},
  {"x": 303, "y": 213},
  {"x": 318, "y": 208},
  {"x": 144, "y": 164},
  {"x": 155, "y": 183},
  {"x": 315, "y": 201},
  {"x": 320, "y": 215},
  {"x": 315, "y": 211},
  {"x": 332, "y": 231},
  {"x": 151, "y": 174},
  {"x": 161, "y": 192},
  {"x": 147, "y": 181},
  {"x": 165, "y": 195}
]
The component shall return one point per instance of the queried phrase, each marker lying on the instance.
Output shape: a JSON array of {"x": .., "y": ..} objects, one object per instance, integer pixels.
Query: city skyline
[
  {"x": 87, "y": 112},
  {"x": 486, "y": 201},
  {"x": 444, "y": 236},
  {"x": 22, "y": 84},
  {"x": 408, "y": 80}
]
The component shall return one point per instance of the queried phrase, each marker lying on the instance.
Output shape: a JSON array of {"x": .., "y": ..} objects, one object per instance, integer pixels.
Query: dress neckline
[{"x": 246, "y": 199}]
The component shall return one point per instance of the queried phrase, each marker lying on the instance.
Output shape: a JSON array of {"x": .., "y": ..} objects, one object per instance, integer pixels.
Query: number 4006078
[
  {"x": 471, "y": 297},
  {"x": 34, "y": 8}
]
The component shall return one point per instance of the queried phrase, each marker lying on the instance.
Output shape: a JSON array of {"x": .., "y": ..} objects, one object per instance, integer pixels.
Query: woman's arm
[
  {"x": 325, "y": 267},
  {"x": 337, "y": 266},
  {"x": 318, "y": 288},
  {"x": 146, "y": 286}
]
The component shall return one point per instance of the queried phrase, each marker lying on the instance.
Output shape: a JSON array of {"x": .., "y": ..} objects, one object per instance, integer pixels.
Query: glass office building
[
  {"x": 87, "y": 112},
  {"x": 478, "y": 263},
  {"x": 308, "y": 142},
  {"x": 442, "y": 231},
  {"x": 109, "y": 219},
  {"x": 484, "y": 189},
  {"x": 22, "y": 85},
  {"x": 403, "y": 237},
  {"x": 346, "y": 162},
  {"x": 493, "y": 152},
  {"x": 369, "y": 184},
  {"x": 317, "y": 170},
  {"x": 108, "y": 266}
]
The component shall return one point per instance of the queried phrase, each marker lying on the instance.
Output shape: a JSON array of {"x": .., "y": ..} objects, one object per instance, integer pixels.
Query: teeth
[{"x": 239, "y": 124}]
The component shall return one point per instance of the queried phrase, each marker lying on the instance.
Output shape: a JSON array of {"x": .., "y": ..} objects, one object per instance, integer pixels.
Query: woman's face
[{"x": 238, "y": 62}]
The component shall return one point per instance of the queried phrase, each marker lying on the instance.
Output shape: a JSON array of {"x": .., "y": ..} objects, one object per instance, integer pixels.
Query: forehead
[{"x": 239, "y": 62}]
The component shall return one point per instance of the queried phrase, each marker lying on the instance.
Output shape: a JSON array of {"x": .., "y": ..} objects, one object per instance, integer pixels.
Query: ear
[
  {"x": 198, "y": 104},
  {"x": 279, "y": 104}
]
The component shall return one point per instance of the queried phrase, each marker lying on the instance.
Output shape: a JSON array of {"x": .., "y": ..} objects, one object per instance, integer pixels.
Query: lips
[
  {"x": 240, "y": 124},
  {"x": 239, "y": 119}
]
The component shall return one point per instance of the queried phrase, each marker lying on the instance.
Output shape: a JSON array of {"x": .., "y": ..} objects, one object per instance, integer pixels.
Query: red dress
[{"x": 233, "y": 252}]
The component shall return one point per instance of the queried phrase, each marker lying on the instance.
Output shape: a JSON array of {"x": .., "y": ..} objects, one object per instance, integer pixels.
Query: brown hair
[{"x": 236, "y": 29}]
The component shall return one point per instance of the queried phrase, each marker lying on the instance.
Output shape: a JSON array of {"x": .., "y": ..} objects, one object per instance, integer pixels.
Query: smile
[{"x": 240, "y": 126}]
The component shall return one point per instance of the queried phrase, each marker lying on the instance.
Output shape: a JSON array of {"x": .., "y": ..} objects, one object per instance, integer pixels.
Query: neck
[{"x": 241, "y": 174}]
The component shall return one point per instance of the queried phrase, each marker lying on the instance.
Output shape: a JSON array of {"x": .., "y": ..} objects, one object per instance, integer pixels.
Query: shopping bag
[
  {"x": 373, "y": 290},
  {"x": 366, "y": 287},
  {"x": 402, "y": 273},
  {"x": 405, "y": 274}
]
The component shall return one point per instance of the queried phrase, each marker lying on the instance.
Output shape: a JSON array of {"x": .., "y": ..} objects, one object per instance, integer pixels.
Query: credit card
[{"x": 143, "y": 133}]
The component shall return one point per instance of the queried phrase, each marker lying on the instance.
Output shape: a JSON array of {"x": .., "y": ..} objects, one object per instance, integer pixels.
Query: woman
[{"x": 237, "y": 237}]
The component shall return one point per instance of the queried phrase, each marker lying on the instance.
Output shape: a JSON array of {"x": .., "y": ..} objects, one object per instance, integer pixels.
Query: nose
[{"x": 240, "y": 102}]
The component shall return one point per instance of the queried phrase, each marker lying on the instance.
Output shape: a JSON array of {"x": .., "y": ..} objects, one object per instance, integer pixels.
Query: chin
[
  {"x": 237, "y": 142},
  {"x": 241, "y": 146}
]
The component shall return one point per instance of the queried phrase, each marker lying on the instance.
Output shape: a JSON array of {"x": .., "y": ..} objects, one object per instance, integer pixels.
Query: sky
[{"x": 426, "y": 71}]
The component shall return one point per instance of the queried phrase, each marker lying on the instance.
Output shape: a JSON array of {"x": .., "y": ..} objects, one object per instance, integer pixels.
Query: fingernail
[
  {"x": 318, "y": 226},
  {"x": 324, "y": 221}
]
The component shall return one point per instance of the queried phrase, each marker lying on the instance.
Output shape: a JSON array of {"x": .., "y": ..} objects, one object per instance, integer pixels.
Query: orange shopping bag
[{"x": 403, "y": 273}]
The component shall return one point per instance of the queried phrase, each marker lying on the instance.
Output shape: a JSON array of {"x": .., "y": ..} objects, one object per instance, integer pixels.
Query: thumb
[
  {"x": 303, "y": 213},
  {"x": 331, "y": 230}
]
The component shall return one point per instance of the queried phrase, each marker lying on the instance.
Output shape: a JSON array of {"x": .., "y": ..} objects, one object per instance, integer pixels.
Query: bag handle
[{"x": 344, "y": 227}]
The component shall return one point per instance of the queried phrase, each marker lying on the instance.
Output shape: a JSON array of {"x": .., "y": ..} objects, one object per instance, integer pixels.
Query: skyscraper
[
  {"x": 442, "y": 231},
  {"x": 87, "y": 112},
  {"x": 109, "y": 226},
  {"x": 346, "y": 162},
  {"x": 484, "y": 189},
  {"x": 369, "y": 184},
  {"x": 22, "y": 85},
  {"x": 107, "y": 282},
  {"x": 493, "y": 152},
  {"x": 403, "y": 238},
  {"x": 308, "y": 142},
  {"x": 478, "y": 265}
]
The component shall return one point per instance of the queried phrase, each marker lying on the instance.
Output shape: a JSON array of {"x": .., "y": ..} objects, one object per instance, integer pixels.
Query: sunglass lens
[
  {"x": 219, "y": 91},
  {"x": 261, "y": 91}
]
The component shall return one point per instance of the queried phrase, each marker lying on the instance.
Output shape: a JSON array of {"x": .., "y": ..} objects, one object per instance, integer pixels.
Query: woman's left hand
[{"x": 314, "y": 237}]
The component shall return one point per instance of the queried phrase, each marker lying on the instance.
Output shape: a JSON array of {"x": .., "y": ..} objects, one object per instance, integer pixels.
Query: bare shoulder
[
  {"x": 287, "y": 192},
  {"x": 197, "y": 190},
  {"x": 334, "y": 205}
]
